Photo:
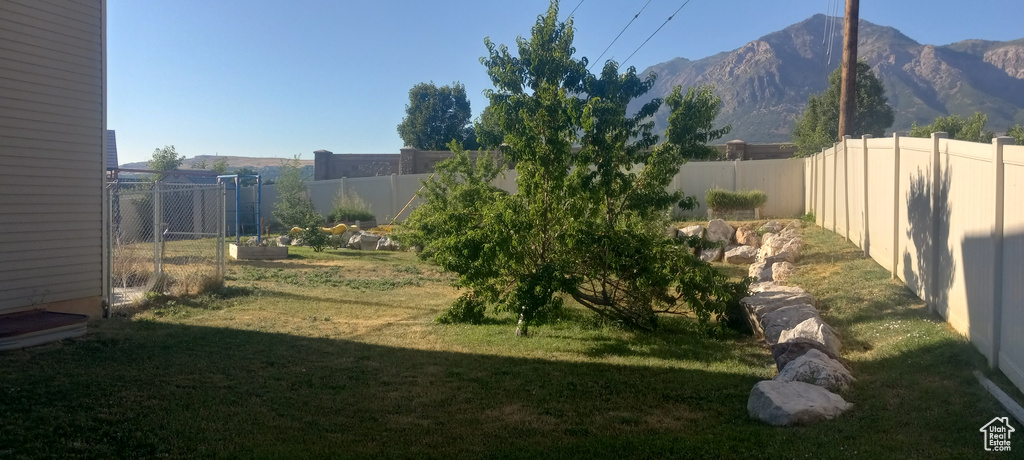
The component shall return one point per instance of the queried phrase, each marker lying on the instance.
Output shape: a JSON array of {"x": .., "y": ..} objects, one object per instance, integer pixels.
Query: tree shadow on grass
[{"x": 156, "y": 389}]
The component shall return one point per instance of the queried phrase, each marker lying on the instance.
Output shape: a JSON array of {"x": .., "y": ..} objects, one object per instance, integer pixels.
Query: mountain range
[{"x": 764, "y": 85}]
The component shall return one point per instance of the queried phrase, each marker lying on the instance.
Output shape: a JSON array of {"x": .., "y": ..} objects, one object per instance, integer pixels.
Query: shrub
[
  {"x": 719, "y": 200},
  {"x": 465, "y": 309},
  {"x": 350, "y": 207}
]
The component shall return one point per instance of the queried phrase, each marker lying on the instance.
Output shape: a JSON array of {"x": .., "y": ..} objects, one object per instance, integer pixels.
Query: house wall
[
  {"x": 52, "y": 136},
  {"x": 944, "y": 217}
]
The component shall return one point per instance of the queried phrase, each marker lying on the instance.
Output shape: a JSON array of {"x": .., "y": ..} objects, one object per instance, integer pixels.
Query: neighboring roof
[{"x": 111, "y": 150}]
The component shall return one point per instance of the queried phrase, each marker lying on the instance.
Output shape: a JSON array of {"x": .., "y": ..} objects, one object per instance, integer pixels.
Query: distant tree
[
  {"x": 436, "y": 116},
  {"x": 970, "y": 129},
  {"x": 294, "y": 206},
  {"x": 201, "y": 164},
  {"x": 165, "y": 159},
  {"x": 818, "y": 128},
  {"x": 488, "y": 130},
  {"x": 1017, "y": 133},
  {"x": 247, "y": 171},
  {"x": 691, "y": 122},
  {"x": 220, "y": 166}
]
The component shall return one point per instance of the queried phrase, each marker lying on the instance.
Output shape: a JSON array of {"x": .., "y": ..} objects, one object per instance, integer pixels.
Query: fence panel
[
  {"x": 963, "y": 243},
  {"x": 829, "y": 191},
  {"x": 1011, "y": 354},
  {"x": 915, "y": 213},
  {"x": 854, "y": 189},
  {"x": 781, "y": 180},
  {"x": 881, "y": 182},
  {"x": 166, "y": 238}
]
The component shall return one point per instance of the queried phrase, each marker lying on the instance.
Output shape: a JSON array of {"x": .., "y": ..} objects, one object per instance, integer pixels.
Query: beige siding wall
[{"x": 51, "y": 152}]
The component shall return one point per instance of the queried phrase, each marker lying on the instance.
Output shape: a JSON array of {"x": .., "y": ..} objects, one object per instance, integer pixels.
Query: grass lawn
[{"x": 335, "y": 355}]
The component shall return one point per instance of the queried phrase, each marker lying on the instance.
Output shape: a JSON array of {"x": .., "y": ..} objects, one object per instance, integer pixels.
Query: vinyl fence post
[
  {"x": 933, "y": 269},
  {"x": 846, "y": 185},
  {"x": 864, "y": 236},
  {"x": 895, "y": 204},
  {"x": 997, "y": 247}
]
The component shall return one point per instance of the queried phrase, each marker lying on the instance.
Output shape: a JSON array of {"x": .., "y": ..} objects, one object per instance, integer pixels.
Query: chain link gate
[{"x": 164, "y": 238}]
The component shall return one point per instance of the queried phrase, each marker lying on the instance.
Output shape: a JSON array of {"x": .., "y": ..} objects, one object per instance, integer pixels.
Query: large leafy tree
[
  {"x": 971, "y": 129},
  {"x": 1017, "y": 133},
  {"x": 587, "y": 222},
  {"x": 294, "y": 206},
  {"x": 818, "y": 128},
  {"x": 436, "y": 116}
]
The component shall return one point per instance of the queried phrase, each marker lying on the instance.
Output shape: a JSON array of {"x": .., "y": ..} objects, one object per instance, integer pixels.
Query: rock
[
  {"x": 781, "y": 271},
  {"x": 719, "y": 230},
  {"x": 741, "y": 255},
  {"x": 773, "y": 226},
  {"x": 792, "y": 249},
  {"x": 251, "y": 242},
  {"x": 364, "y": 241},
  {"x": 298, "y": 242},
  {"x": 693, "y": 230},
  {"x": 786, "y": 352},
  {"x": 387, "y": 244},
  {"x": 769, "y": 297},
  {"x": 818, "y": 369},
  {"x": 814, "y": 329},
  {"x": 793, "y": 403},
  {"x": 760, "y": 271},
  {"x": 284, "y": 240},
  {"x": 775, "y": 322},
  {"x": 747, "y": 237},
  {"x": 793, "y": 225},
  {"x": 671, "y": 231},
  {"x": 771, "y": 245},
  {"x": 710, "y": 254}
]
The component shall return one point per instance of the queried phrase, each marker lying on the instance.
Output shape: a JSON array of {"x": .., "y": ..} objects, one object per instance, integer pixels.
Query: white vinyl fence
[
  {"x": 944, "y": 217},
  {"x": 782, "y": 180}
]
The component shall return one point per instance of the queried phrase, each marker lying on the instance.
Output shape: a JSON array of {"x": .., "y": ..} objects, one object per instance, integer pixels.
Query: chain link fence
[{"x": 164, "y": 238}]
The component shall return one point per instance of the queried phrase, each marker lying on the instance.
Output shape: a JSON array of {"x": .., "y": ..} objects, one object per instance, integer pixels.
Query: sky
[{"x": 271, "y": 78}]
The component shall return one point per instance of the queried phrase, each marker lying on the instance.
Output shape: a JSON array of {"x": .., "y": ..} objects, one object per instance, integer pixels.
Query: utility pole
[{"x": 848, "y": 94}]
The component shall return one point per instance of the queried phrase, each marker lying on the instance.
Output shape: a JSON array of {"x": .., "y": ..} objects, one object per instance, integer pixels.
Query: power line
[
  {"x": 577, "y": 7},
  {"x": 656, "y": 31},
  {"x": 620, "y": 34}
]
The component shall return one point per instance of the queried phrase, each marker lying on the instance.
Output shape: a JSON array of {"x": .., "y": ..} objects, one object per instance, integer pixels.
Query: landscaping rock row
[{"x": 807, "y": 351}]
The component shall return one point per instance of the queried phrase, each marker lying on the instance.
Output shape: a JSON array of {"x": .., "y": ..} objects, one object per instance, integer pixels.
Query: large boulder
[
  {"x": 693, "y": 230},
  {"x": 711, "y": 254},
  {"x": 741, "y": 255},
  {"x": 719, "y": 230},
  {"x": 785, "y": 352},
  {"x": 817, "y": 368},
  {"x": 793, "y": 403},
  {"x": 771, "y": 245},
  {"x": 760, "y": 271},
  {"x": 284, "y": 240},
  {"x": 792, "y": 249},
  {"x": 364, "y": 241},
  {"x": 671, "y": 231},
  {"x": 773, "y": 226},
  {"x": 814, "y": 329},
  {"x": 747, "y": 237},
  {"x": 768, "y": 297},
  {"x": 387, "y": 244},
  {"x": 781, "y": 271},
  {"x": 783, "y": 319}
]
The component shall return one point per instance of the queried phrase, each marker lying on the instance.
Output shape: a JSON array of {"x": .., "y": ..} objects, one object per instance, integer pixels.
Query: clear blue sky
[{"x": 278, "y": 78}]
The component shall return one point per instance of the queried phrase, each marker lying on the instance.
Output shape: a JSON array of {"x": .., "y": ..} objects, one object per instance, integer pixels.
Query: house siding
[{"x": 52, "y": 132}]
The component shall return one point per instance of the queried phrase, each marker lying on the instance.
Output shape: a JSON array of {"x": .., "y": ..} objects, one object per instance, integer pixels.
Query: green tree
[
  {"x": 294, "y": 206},
  {"x": 247, "y": 171},
  {"x": 436, "y": 116},
  {"x": 220, "y": 166},
  {"x": 201, "y": 164},
  {"x": 488, "y": 131},
  {"x": 818, "y": 128},
  {"x": 165, "y": 159},
  {"x": 586, "y": 222},
  {"x": 1017, "y": 133},
  {"x": 971, "y": 129}
]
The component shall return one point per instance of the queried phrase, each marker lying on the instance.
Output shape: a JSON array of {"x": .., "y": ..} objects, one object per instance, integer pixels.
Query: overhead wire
[
  {"x": 656, "y": 31},
  {"x": 577, "y": 7},
  {"x": 637, "y": 15}
]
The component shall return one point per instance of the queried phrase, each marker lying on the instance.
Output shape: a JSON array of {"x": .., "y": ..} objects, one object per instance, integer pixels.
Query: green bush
[
  {"x": 719, "y": 200},
  {"x": 350, "y": 207},
  {"x": 465, "y": 309}
]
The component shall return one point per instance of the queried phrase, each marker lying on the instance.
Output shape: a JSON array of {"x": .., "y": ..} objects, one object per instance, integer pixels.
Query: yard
[{"x": 335, "y": 354}]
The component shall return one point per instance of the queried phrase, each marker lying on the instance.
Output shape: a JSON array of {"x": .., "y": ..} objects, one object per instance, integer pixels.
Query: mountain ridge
[{"x": 764, "y": 84}]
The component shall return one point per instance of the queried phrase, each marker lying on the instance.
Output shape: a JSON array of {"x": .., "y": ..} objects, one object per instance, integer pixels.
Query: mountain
[{"x": 764, "y": 85}]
